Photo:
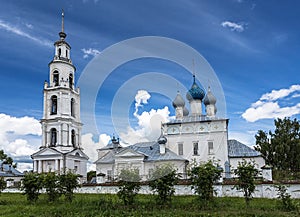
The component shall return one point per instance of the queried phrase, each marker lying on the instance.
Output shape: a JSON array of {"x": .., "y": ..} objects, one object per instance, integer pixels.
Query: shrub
[
  {"x": 246, "y": 173},
  {"x": 2, "y": 184},
  {"x": 130, "y": 185},
  {"x": 285, "y": 198},
  {"x": 32, "y": 183},
  {"x": 51, "y": 185},
  {"x": 68, "y": 182},
  {"x": 163, "y": 179},
  {"x": 203, "y": 176}
]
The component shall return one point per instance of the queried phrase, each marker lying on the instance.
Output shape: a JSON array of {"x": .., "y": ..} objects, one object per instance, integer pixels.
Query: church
[
  {"x": 61, "y": 148},
  {"x": 193, "y": 136}
]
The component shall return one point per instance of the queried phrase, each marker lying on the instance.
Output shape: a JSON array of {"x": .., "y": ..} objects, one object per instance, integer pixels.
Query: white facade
[{"x": 61, "y": 126}]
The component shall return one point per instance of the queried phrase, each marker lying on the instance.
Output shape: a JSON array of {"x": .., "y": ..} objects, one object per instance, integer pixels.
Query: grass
[{"x": 109, "y": 205}]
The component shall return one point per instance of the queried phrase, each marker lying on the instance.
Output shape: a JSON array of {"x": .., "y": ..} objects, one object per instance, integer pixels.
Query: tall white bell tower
[{"x": 61, "y": 126}]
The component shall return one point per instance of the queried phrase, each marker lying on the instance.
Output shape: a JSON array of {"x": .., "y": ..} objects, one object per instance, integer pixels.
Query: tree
[
  {"x": 203, "y": 176},
  {"x": 68, "y": 182},
  {"x": 32, "y": 183},
  {"x": 246, "y": 173},
  {"x": 91, "y": 174},
  {"x": 2, "y": 184},
  {"x": 6, "y": 159},
  {"x": 51, "y": 185},
  {"x": 129, "y": 185},
  {"x": 162, "y": 181},
  {"x": 281, "y": 149}
]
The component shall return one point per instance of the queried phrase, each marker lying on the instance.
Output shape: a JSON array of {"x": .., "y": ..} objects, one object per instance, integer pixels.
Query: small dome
[
  {"x": 195, "y": 92},
  {"x": 209, "y": 99},
  {"x": 162, "y": 140},
  {"x": 185, "y": 111},
  {"x": 178, "y": 101}
]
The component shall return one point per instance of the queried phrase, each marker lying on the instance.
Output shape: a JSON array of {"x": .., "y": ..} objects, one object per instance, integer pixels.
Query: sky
[{"x": 248, "y": 53}]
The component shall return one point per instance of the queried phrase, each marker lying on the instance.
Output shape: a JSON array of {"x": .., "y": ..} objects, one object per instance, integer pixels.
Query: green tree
[
  {"x": 6, "y": 159},
  {"x": 51, "y": 185},
  {"x": 129, "y": 185},
  {"x": 2, "y": 184},
  {"x": 162, "y": 181},
  {"x": 246, "y": 173},
  {"x": 281, "y": 148},
  {"x": 203, "y": 176},
  {"x": 90, "y": 175},
  {"x": 68, "y": 182},
  {"x": 32, "y": 183}
]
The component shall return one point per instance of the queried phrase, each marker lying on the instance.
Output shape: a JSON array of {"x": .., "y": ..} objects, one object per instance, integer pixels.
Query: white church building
[
  {"x": 61, "y": 148},
  {"x": 193, "y": 135}
]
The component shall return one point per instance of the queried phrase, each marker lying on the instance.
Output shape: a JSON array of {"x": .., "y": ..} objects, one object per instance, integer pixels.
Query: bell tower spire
[{"x": 62, "y": 34}]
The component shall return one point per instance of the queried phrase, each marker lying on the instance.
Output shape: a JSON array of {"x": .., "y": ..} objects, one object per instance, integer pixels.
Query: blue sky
[{"x": 253, "y": 47}]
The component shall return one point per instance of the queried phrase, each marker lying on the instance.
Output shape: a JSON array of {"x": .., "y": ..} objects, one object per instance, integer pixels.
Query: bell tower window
[
  {"x": 53, "y": 105},
  {"x": 73, "y": 138},
  {"x": 72, "y": 107},
  {"x": 55, "y": 78},
  {"x": 67, "y": 54},
  {"x": 53, "y": 139},
  {"x": 59, "y": 52},
  {"x": 71, "y": 81}
]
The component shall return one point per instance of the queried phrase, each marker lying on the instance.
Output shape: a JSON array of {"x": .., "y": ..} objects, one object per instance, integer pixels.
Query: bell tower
[{"x": 61, "y": 125}]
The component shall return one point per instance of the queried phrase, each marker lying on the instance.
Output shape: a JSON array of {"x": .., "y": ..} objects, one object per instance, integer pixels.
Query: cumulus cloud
[
  {"x": 89, "y": 52},
  {"x": 19, "y": 138},
  {"x": 90, "y": 146},
  {"x": 268, "y": 105},
  {"x": 149, "y": 122},
  {"x": 238, "y": 27},
  {"x": 10, "y": 28}
]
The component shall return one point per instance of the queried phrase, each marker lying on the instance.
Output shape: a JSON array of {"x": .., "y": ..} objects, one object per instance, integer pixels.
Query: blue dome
[{"x": 195, "y": 92}]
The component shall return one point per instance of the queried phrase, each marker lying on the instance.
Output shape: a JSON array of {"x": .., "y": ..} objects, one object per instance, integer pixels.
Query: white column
[
  {"x": 34, "y": 166},
  {"x": 40, "y": 164},
  {"x": 56, "y": 165}
]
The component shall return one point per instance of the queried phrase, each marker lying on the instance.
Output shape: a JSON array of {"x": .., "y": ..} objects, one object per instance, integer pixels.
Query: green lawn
[{"x": 110, "y": 205}]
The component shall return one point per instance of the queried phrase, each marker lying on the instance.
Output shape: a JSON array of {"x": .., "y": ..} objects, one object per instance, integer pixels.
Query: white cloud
[
  {"x": 90, "y": 146},
  {"x": 233, "y": 26},
  {"x": 89, "y": 52},
  {"x": 8, "y": 27},
  {"x": 19, "y": 137},
  {"x": 268, "y": 105},
  {"x": 149, "y": 122}
]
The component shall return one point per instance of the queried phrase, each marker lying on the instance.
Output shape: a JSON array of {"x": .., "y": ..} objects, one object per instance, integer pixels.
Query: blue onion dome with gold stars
[
  {"x": 195, "y": 93},
  {"x": 178, "y": 101},
  {"x": 209, "y": 99}
]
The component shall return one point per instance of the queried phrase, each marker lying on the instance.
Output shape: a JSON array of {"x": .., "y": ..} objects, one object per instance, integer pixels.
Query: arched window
[
  {"x": 71, "y": 81},
  {"x": 66, "y": 53},
  {"x": 54, "y": 105},
  {"x": 73, "y": 107},
  {"x": 55, "y": 78},
  {"x": 73, "y": 138},
  {"x": 59, "y": 52},
  {"x": 53, "y": 139}
]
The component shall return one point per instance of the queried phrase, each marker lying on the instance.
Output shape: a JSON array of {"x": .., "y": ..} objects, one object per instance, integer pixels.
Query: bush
[
  {"x": 51, "y": 185},
  {"x": 285, "y": 198},
  {"x": 130, "y": 185},
  {"x": 203, "y": 176},
  {"x": 2, "y": 184},
  {"x": 246, "y": 173},
  {"x": 68, "y": 182},
  {"x": 32, "y": 183},
  {"x": 163, "y": 179}
]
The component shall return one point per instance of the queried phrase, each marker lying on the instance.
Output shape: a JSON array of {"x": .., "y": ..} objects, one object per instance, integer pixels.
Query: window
[
  {"x": 109, "y": 175},
  {"x": 55, "y": 78},
  {"x": 59, "y": 52},
  {"x": 195, "y": 145},
  {"x": 54, "y": 105},
  {"x": 66, "y": 53},
  {"x": 53, "y": 139},
  {"x": 71, "y": 81},
  {"x": 210, "y": 147},
  {"x": 73, "y": 138},
  {"x": 72, "y": 107},
  {"x": 180, "y": 148}
]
